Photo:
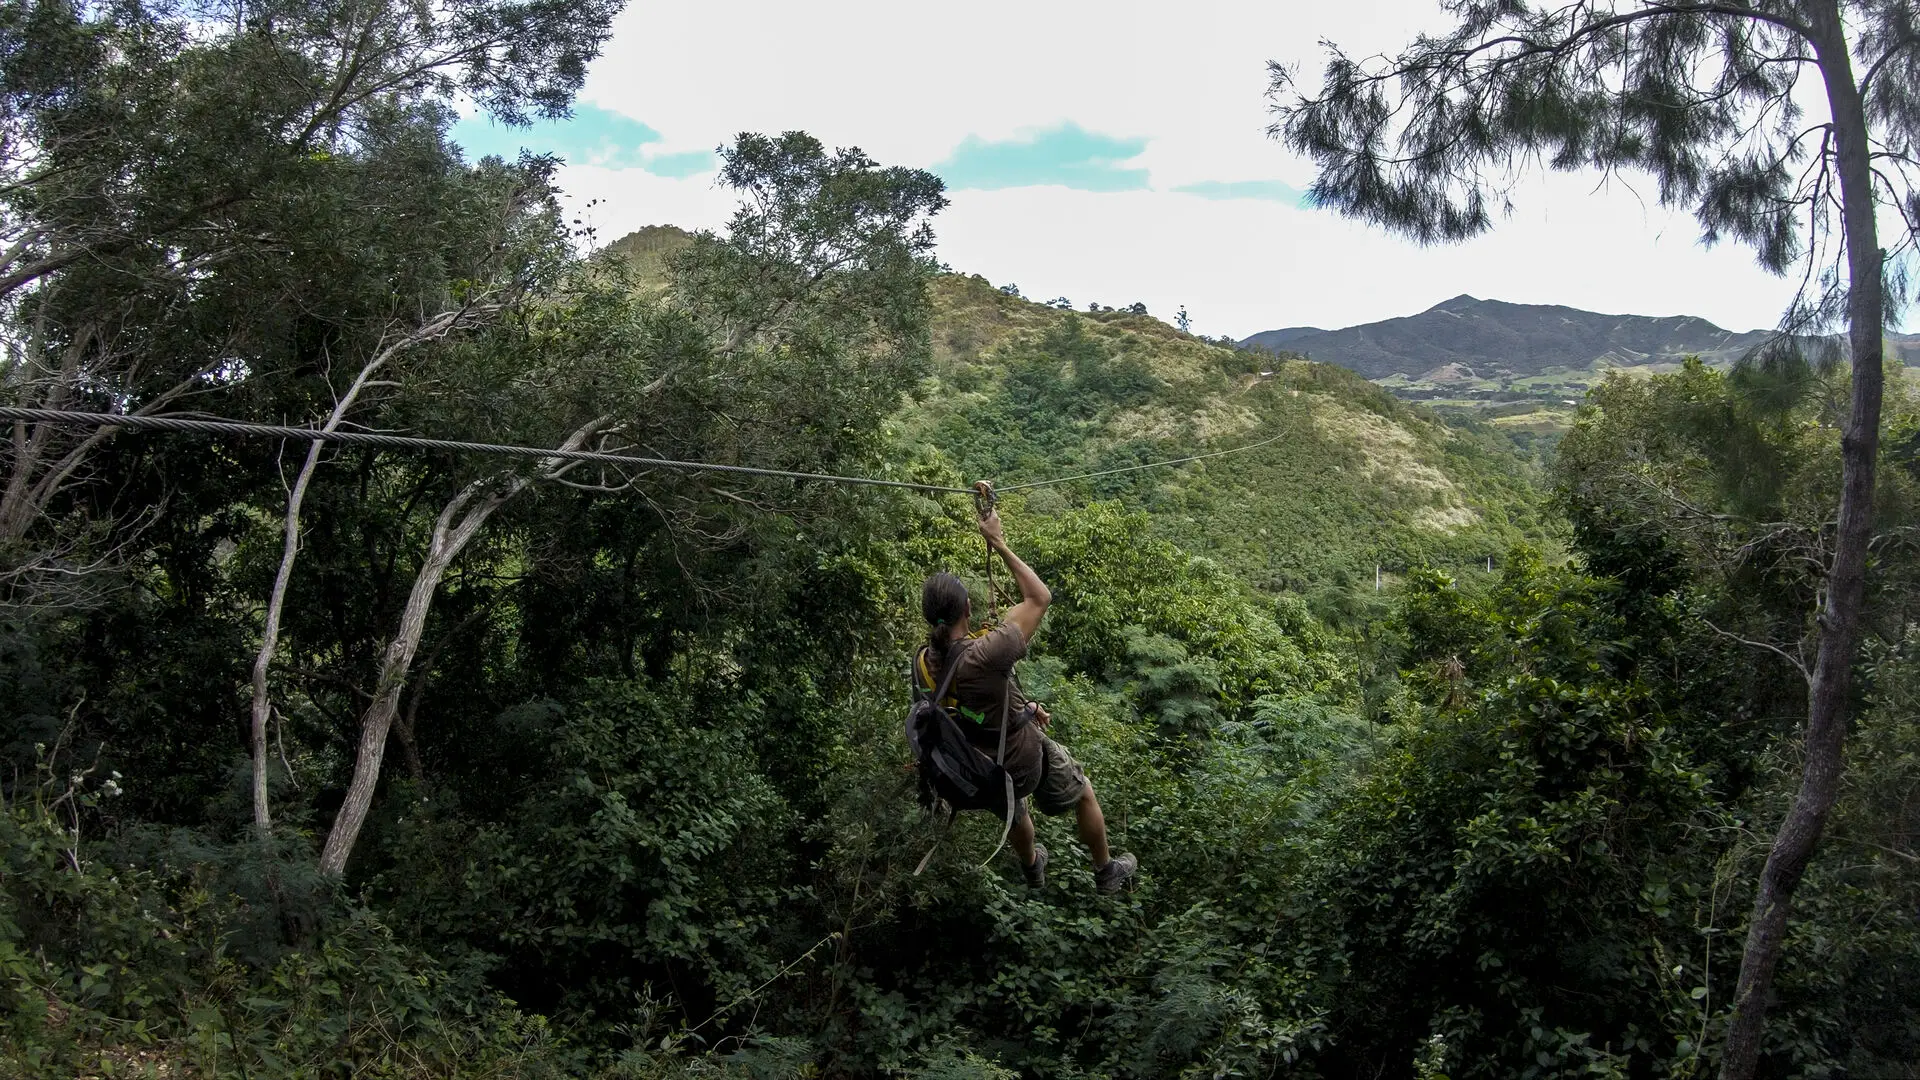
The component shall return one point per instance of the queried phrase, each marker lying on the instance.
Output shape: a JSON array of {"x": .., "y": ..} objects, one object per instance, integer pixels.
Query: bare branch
[{"x": 1798, "y": 664}]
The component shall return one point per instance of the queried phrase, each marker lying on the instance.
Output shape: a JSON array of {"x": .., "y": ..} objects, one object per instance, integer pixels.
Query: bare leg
[
  {"x": 1021, "y": 837},
  {"x": 1092, "y": 826}
]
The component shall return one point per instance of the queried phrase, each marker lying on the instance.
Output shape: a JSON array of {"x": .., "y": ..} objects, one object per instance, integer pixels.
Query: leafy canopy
[{"x": 1718, "y": 102}]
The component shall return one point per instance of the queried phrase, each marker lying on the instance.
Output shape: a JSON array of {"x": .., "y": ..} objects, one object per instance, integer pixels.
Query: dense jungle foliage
[{"x": 647, "y": 811}]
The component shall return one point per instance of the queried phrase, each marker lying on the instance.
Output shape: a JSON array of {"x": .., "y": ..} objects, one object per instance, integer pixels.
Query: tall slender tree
[{"x": 1786, "y": 125}]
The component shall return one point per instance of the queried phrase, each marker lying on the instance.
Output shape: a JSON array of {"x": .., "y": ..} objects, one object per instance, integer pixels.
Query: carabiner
[{"x": 983, "y": 497}]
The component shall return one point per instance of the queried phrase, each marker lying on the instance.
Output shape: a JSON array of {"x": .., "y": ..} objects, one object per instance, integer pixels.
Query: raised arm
[{"x": 1034, "y": 595}]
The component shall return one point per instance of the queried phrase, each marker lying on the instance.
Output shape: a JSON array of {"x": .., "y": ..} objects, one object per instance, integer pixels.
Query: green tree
[
  {"x": 1706, "y": 97},
  {"x": 777, "y": 343},
  {"x": 1706, "y": 498},
  {"x": 251, "y": 210},
  {"x": 1510, "y": 887},
  {"x": 186, "y": 199}
]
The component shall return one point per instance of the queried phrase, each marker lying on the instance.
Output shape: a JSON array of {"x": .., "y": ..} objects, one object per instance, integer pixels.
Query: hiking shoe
[
  {"x": 1119, "y": 871},
  {"x": 1037, "y": 873}
]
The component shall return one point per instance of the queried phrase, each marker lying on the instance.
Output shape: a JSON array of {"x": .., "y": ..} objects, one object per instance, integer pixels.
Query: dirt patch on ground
[
  {"x": 1217, "y": 418},
  {"x": 1447, "y": 519},
  {"x": 1389, "y": 456}
]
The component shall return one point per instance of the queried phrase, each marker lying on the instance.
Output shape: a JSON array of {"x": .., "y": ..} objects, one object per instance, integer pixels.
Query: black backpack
[{"x": 952, "y": 769}]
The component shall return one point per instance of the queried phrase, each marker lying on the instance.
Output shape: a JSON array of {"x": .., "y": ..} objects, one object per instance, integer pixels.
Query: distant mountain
[
  {"x": 1470, "y": 339},
  {"x": 1276, "y": 340}
]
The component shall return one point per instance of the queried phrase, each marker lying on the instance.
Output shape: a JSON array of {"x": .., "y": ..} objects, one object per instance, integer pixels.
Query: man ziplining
[
  {"x": 1026, "y": 762},
  {"x": 972, "y": 671}
]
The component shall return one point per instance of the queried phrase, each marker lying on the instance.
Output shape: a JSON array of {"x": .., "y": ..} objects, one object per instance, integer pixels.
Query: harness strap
[
  {"x": 953, "y": 666},
  {"x": 1006, "y": 721},
  {"x": 1000, "y": 759}
]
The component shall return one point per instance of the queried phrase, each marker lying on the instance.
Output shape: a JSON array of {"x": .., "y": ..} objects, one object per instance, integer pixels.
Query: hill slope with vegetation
[
  {"x": 1349, "y": 478},
  {"x": 1521, "y": 367}
]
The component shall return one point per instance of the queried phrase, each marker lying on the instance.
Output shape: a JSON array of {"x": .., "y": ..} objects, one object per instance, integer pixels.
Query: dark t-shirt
[{"x": 982, "y": 688}]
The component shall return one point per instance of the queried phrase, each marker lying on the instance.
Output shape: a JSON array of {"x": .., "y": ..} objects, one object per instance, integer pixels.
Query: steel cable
[
  {"x": 195, "y": 426},
  {"x": 200, "y": 426}
]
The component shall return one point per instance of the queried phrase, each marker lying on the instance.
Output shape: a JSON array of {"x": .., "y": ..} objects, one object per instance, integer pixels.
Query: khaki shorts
[{"x": 1063, "y": 783}]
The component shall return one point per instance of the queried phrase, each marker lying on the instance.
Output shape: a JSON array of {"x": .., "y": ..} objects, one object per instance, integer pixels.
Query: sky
[{"x": 1110, "y": 152}]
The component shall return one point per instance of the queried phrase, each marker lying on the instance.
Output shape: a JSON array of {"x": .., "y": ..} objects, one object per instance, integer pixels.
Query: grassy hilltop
[{"x": 1020, "y": 392}]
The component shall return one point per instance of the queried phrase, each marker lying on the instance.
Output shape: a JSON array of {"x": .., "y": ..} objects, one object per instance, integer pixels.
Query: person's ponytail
[{"x": 943, "y": 603}]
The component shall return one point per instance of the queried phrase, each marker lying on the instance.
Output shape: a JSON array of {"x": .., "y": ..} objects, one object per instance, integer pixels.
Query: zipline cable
[
  {"x": 199, "y": 426},
  {"x": 408, "y": 442}
]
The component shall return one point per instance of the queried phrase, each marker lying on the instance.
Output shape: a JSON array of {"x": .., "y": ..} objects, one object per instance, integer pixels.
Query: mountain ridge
[{"x": 1467, "y": 337}]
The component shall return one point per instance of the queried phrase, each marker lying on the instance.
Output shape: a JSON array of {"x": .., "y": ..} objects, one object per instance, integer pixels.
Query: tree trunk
[
  {"x": 22, "y": 500},
  {"x": 270, "y": 637},
  {"x": 290, "y": 547},
  {"x": 451, "y": 533},
  {"x": 456, "y": 526},
  {"x": 1799, "y": 834}
]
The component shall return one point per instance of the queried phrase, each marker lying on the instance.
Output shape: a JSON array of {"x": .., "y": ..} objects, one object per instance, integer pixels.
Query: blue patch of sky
[
  {"x": 1268, "y": 190},
  {"x": 591, "y": 136},
  {"x": 680, "y": 166},
  {"x": 1067, "y": 155}
]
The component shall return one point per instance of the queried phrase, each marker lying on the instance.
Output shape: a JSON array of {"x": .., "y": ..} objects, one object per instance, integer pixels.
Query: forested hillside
[
  {"x": 1350, "y": 479},
  {"x": 368, "y": 760}
]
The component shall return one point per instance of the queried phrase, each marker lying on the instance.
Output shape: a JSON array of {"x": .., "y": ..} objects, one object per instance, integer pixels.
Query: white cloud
[
  {"x": 1244, "y": 265},
  {"x": 618, "y": 201},
  {"x": 909, "y": 82}
]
